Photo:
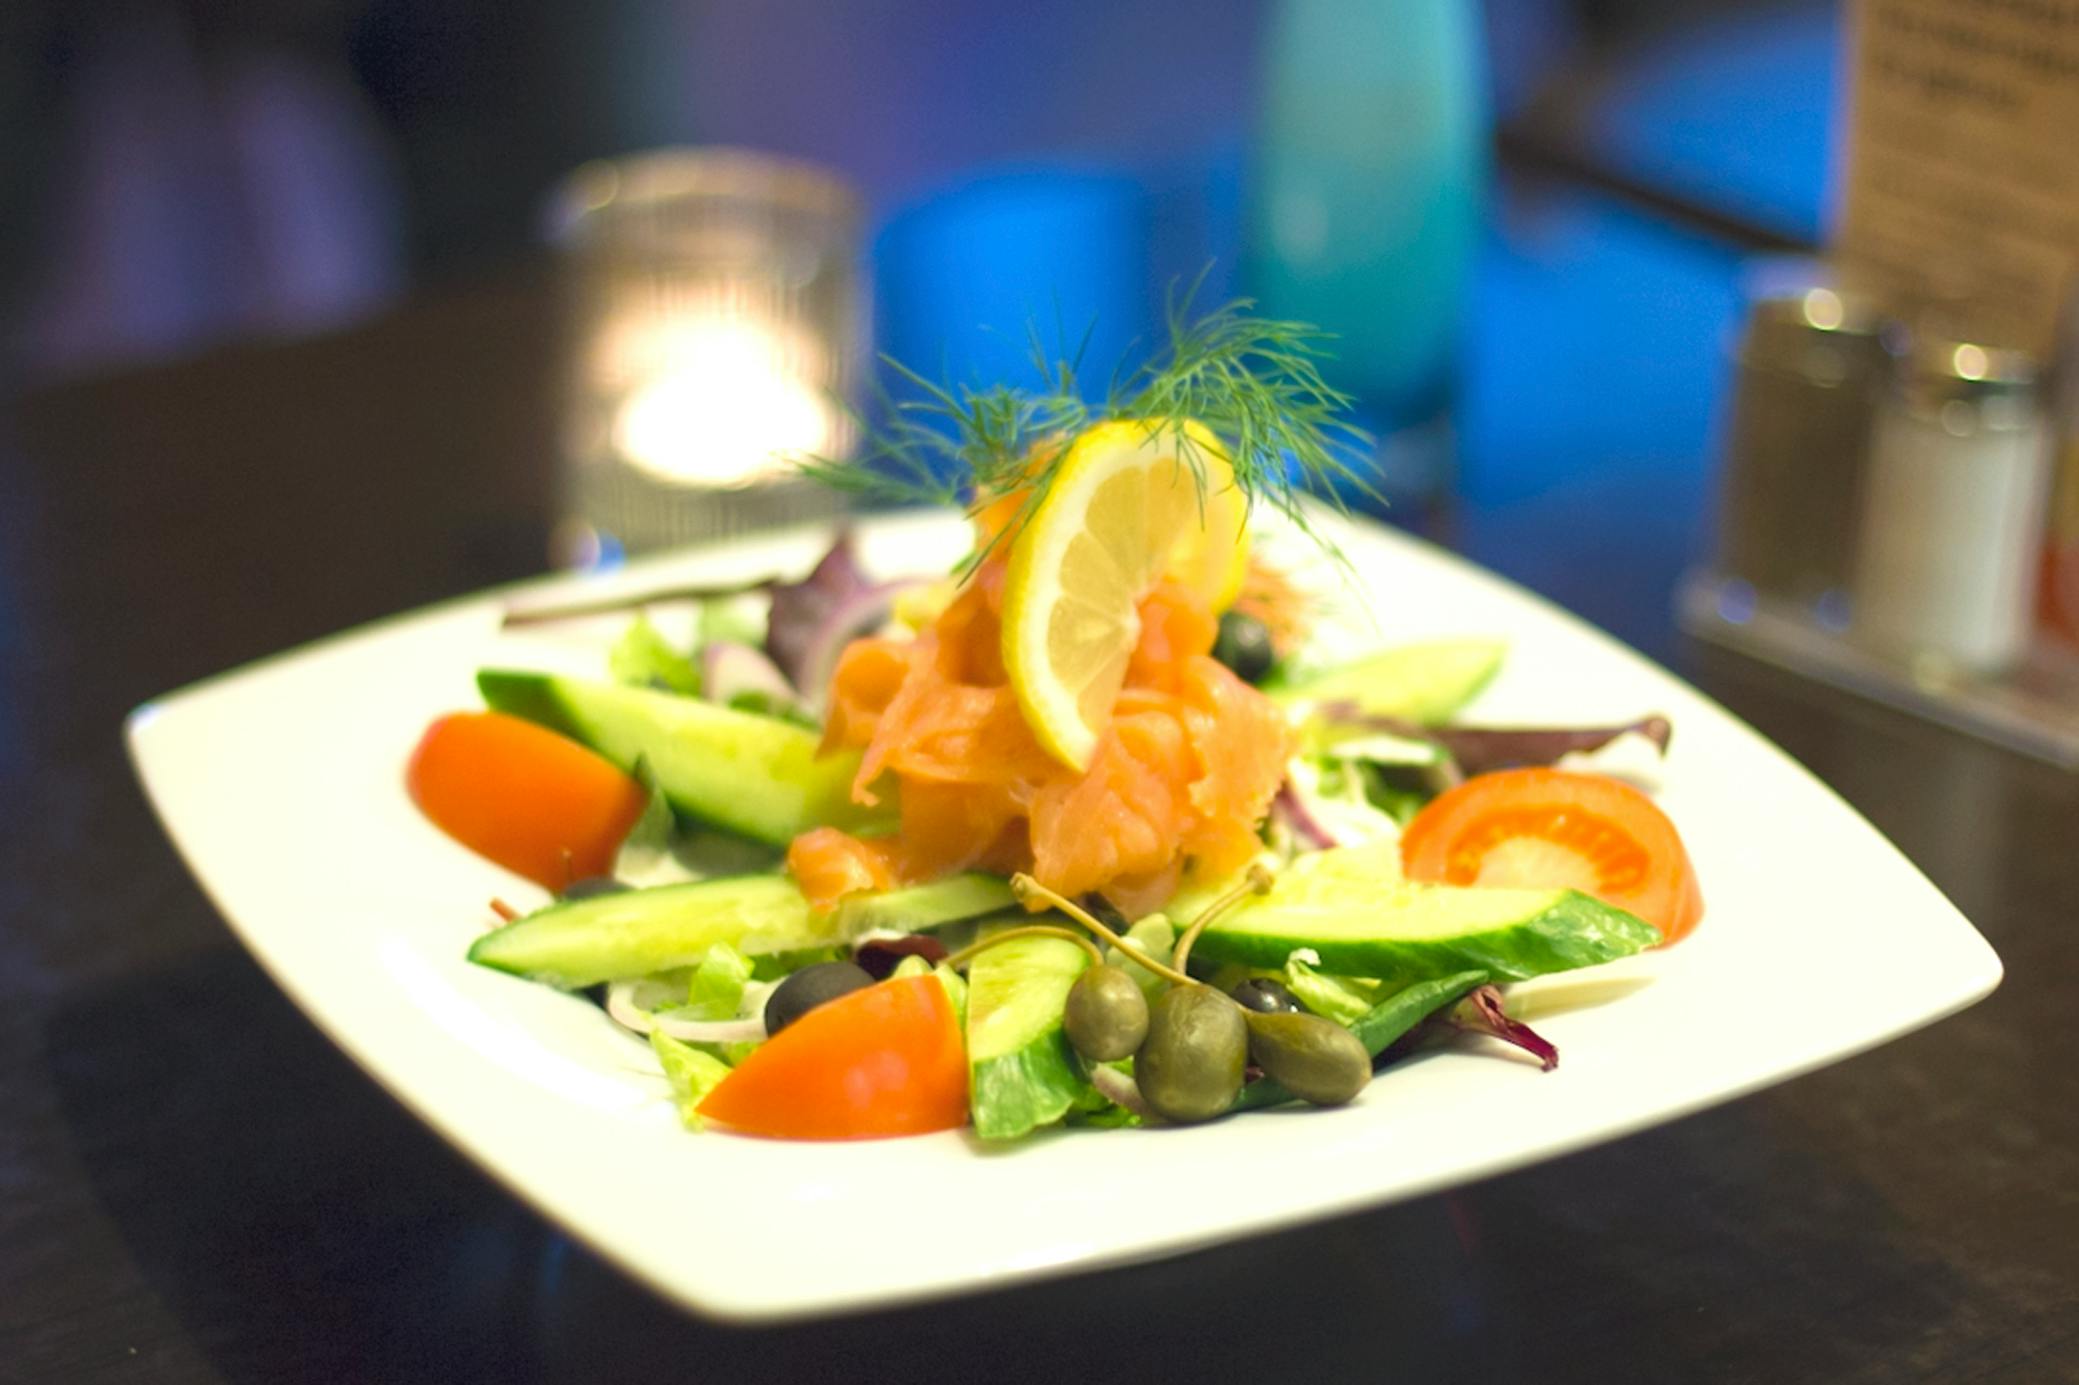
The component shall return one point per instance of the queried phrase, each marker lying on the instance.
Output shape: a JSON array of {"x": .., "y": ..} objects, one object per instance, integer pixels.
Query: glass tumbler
[{"x": 718, "y": 312}]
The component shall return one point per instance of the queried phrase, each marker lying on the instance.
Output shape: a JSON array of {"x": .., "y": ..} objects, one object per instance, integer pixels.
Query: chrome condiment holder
[{"x": 1882, "y": 519}]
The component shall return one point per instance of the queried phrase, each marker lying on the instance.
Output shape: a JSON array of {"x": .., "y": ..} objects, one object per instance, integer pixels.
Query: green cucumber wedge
[
  {"x": 612, "y": 937},
  {"x": 1021, "y": 1072},
  {"x": 754, "y": 775},
  {"x": 1427, "y": 682},
  {"x": 920, "y": 907},
  {"x": 1407, "y": 932}
]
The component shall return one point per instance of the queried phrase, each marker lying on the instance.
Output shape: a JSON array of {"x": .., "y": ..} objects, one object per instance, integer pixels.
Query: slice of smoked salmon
[
  {"x": 1175, "y": 627},
  {"x": 1181, "y": 778},
  {"x": 1239, "y": 740},
  {"x": 1124, "y": 815},
  {"x": 869, "y": 675},
  {"x": 829, "y": 864}
]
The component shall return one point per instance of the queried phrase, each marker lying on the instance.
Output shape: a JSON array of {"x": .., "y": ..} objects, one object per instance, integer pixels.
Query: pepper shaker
[{"x": 1810, "y": 368}]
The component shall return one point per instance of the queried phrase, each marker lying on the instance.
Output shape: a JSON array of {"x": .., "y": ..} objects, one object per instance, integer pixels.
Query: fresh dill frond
[{"x": 1254, "y": 383}]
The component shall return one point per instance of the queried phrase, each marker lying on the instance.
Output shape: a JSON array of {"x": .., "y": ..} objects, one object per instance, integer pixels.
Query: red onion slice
[
  {"x": 1290, "y": 807},
  {"x": 859, "y": 614},
  {"x": 729, "y": 671},
  {"x": 1119, "y": 1089}
]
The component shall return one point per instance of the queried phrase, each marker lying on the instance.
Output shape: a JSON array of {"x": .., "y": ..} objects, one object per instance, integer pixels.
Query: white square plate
[{"x": 282, "y": 785}]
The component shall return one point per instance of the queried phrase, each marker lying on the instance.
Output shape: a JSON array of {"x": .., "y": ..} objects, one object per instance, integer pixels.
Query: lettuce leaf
[
  {"x": 1156, "y": 937},
  {"x": 643, "y": 658},
  {"x": 737, "y": 619},
  {"x": 692, "y": 1074},
  {"x": 1344, "y": 999},
  {"x": 717, "y": 988}
]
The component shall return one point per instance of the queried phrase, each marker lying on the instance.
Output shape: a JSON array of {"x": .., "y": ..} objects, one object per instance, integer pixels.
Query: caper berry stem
[
  {"x": 1026, "y": 890},
  {"x": 1258, "y": 880},
  {"x": 1028, "y": 930}
]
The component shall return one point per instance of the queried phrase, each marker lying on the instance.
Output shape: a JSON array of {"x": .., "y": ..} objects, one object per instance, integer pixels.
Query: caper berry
[
  {"x": 810, "y": 987},
  {"x": 1266, "y": 995},
  {"x": 1190, "y": 1066},
  {"x": 1106, "y": 1016},
  {"x": 593, "y": 885},
  {"x": 1315, "y": 1059},
  {"x": 1244, "y": 645}
]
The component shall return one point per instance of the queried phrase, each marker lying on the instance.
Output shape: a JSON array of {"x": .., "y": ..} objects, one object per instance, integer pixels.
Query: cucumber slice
[
  {"x": 1427, "y": 682},
  {"x": 754, "y": 775},
  {"x": 612, "y": 937},
  {"x": 927, "y": 906},
  {"x": 1021, "y": 1071},
  {"x": 1408, "y": 932}
]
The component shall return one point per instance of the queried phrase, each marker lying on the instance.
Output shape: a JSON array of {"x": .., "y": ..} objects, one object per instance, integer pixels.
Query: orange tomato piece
[
  {"x": 1549, "y": 827},
  {"x": 537, "y": 803},
  {"x": 883, "y": 1061}
]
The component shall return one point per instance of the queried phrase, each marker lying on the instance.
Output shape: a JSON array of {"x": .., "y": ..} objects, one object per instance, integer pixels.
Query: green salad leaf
[
  {"x": 736, "y": 619},
  {"x": 643, "y": 658},
  {"x": 692, "y": 1074},
  {"x": 1344, "y": 999},
  {"x": 717, "y": 988}
]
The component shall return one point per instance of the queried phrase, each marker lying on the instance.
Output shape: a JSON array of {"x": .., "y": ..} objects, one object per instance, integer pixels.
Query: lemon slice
[{"x": 1123, "y": 509}]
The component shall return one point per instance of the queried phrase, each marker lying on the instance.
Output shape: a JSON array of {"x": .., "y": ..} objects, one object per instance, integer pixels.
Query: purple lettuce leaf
[
  {"x": 1480, "y": 749},
  {"x": 1481, "y": 1013},
  {"x": 800, "y": 609},
  {"x": 814, "y": 619}
]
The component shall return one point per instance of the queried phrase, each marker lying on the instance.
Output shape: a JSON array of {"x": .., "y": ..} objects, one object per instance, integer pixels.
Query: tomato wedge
[
  {"x": 537, "y": 803},
  {"x": 887, "y": 1060},
  {"x": 1549, "y": 827}
]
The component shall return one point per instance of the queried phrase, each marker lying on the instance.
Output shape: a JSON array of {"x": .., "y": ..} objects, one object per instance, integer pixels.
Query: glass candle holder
[{"x": 718, "y": 315}]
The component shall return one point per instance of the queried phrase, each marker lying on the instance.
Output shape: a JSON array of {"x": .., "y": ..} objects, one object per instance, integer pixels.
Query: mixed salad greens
[{"x": 1082, "y": 834}]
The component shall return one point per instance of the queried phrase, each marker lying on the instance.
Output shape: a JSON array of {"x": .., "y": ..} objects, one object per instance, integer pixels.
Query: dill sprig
[{"x": 1254, "y": 383}]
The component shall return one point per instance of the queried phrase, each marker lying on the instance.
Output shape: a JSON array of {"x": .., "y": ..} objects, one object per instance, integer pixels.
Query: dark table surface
[{"x": 197, "y": 1187}]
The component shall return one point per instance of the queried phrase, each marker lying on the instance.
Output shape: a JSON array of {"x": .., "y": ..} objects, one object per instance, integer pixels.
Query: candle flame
[{"x": 730, "y": 402}]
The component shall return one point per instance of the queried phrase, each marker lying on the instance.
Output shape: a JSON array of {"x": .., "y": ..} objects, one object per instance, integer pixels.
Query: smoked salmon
[{"x": 1181, "y": 778}]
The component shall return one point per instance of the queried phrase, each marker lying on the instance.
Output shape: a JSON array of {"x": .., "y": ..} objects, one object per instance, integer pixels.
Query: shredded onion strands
[{"x": 621, "y": 1005}]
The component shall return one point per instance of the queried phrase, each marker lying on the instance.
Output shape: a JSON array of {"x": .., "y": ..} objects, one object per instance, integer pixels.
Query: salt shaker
[{"x": 1953, "y": 510}]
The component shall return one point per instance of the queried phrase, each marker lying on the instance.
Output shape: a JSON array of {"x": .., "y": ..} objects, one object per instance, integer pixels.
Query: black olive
[
  {"x": 810, "y": 987},
  {"x": 594, "y": 885},
  {"x": 1190, "y": 1067},
  {"x": 1266, "y": 995},
  {"x": 1244, "y": 645},
  {"x": 1106, "y": 1016}
]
